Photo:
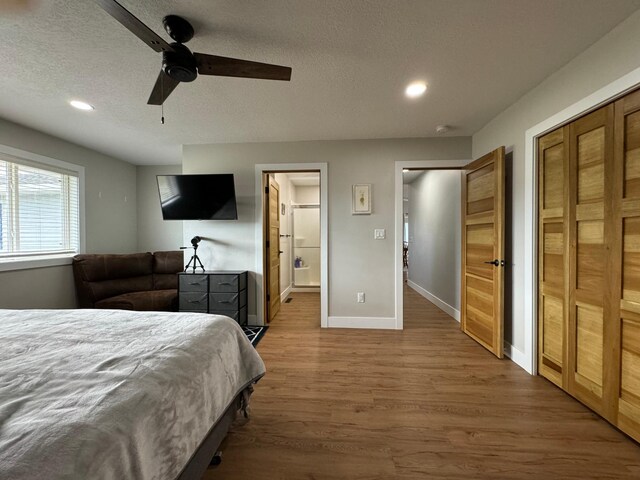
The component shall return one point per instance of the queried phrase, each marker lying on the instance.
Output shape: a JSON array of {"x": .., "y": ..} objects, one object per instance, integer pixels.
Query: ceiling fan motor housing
[
  {"x": 180, "y": 64},
  {"x": 178, "y": 28}
]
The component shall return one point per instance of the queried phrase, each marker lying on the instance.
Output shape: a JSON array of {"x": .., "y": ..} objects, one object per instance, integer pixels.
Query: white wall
[
  {"x": 357, "y": 262},
  {"x": 110, "y": 203},
  {"x": 613, "y": 56},
  {"x": 303, "y": 194},
  {"x": 285, "y": 229},
  {"x": 434, "y": 236},
  {"x": 154, "y": 233}
]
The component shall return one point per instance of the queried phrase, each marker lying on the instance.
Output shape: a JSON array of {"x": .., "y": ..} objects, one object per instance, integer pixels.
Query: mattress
[{"x": 110, "y": 394}]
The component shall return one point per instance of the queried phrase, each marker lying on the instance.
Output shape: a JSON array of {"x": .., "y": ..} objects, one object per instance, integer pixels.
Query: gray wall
[
  {"x": 613, "y": 56},
  {"x": 357, "y": 262},
  {"x": 154, "y": 233},
  {"x": 434, "y": 234},
  {"x": 110, "y": 202}
]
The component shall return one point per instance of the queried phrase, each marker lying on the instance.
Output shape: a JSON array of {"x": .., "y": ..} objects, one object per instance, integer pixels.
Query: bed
[{"x": 111, "y": 394}]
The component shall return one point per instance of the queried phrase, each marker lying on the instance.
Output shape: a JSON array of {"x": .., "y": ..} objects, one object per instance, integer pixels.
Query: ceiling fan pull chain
[{"x": 162, "y": 104}]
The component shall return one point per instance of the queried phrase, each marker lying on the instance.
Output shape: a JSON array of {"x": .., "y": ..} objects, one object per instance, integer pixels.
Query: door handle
[
  {"x": 280, "y": 252},
  {"x": 496, "y": 263}
]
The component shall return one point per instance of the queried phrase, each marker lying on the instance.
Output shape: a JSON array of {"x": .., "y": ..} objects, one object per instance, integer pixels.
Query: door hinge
[
  {"x": 268, "y": 297},
  {"x": 266, "y": 190},
  {"x": 267, "y": 243}
]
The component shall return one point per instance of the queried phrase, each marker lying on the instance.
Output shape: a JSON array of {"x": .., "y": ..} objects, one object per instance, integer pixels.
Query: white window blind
[{"x": 39, "y": 210}]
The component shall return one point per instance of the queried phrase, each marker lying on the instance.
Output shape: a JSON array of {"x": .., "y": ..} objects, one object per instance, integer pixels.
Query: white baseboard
[
  {"x": 305, "y": 289},
  {"x": 516, "y": 356},
  {"x": 285, "y": 293},
  {"x": 441, "y": 304},
  {"x": 253, "y": 320},
  {"x": 383, "y": 323}
]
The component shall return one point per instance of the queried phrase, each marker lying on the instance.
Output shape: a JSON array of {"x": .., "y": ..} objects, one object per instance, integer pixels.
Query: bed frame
[{"x": 208, "y": 449}]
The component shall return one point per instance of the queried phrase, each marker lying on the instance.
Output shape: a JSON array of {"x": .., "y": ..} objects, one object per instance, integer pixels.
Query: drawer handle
[
  {"x": 194, "y": 283},
  {"x": 200, "y": 300},
  {"x": 225, "y": 283},
  {"x": 232, "y": 300}
]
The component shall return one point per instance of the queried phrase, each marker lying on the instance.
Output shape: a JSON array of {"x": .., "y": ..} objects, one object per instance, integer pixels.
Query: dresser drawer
[
  {"x": 227, "y": 301},
  {"x": 194, "y": 283},
  {"x": 193, "y": 302},
  {"x": 227, "y": 283}
]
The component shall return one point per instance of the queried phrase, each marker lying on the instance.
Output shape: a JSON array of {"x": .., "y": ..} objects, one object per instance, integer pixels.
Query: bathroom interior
[{"x": 299, "y": 232}]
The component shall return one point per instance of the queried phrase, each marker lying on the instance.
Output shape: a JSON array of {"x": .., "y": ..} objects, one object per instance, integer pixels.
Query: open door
[
  {"x": 272, "y": 247},
  {"x": 482, "y": 305}
]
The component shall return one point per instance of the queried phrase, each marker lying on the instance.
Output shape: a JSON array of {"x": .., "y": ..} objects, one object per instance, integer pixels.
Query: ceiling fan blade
[
  {"x": 134, "y": 25},
  {"x": 233, "y": 67},
  {"x": 162, "y": 89}
]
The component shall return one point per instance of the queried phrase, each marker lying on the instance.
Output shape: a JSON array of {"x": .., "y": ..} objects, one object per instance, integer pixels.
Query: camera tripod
[{"x": 195, "y": 260}]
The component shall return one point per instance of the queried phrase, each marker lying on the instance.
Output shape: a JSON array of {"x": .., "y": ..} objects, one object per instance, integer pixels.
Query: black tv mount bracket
[{"x": 195, "y": 260}]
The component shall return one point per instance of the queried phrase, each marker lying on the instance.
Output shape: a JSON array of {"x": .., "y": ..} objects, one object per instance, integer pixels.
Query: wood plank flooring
[{"x": 423, "y": 403}]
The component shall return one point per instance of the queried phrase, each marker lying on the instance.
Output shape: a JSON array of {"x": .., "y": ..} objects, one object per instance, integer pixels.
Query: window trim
[{"x": 46, "y": 260}]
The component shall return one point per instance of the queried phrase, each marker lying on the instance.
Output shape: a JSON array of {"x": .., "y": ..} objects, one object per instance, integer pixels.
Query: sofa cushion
[
  {"x": 99, "y": 276},
  {"x": 154, "y": 300},
  {"x": 98, "y": 267},
  {"x": 165, "y": 267}
]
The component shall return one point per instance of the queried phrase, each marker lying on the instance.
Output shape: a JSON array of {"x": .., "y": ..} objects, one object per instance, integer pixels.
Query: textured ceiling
[{"x": 351, "y": 60}]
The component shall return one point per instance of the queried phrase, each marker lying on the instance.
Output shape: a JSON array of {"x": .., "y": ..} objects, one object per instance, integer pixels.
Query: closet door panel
[
  {"x": 625, "y": 373},
  {"x": 589, "y": 260},
  {"x": 590, "y": 157},
  {"x": 552, "y": 246}
]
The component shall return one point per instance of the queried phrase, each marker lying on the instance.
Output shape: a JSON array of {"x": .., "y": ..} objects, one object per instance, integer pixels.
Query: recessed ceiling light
[
  {"x": 415, "y": 89},
  {"x": 81, "y": 105}
]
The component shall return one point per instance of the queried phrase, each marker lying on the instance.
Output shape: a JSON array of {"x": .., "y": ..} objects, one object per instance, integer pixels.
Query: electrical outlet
[
  {"x": 360, "y": 297},
  {"x": 379, "y": 234}
]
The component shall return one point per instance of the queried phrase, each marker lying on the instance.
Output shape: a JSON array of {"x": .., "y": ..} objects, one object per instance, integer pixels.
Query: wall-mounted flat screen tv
[{"x": 197, "y": 197}]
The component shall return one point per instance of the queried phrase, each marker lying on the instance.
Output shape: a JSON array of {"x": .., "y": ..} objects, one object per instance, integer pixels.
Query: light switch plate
[{"x": 379, "y": 234}]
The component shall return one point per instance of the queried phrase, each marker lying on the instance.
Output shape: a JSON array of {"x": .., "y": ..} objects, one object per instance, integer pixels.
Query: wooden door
[
  {"x": 272, "y": 250},
  {"x": 589, "y": 182},
  {"x": 482, "y": 315},
  {"x": 625, "y": 316},
  {"x": 553, "y": 164},
  {"x": 589, "y": 260}
]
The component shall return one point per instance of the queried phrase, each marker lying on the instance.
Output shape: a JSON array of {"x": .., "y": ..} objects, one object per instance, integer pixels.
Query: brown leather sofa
[{"x": 137, "y": 281}]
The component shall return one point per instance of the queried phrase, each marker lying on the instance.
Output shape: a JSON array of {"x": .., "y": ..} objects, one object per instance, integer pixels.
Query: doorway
[
  {"x": 299, "y": 232},
  {"x": 292, "y": 235},
  {"x": 432, "y": 236},
  {"x": 399, "y": 223},
  {"x": 482, "y": 246}
]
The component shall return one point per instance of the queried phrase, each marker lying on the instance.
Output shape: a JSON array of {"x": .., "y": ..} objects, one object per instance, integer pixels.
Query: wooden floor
[{"x": 423, "y": 403}]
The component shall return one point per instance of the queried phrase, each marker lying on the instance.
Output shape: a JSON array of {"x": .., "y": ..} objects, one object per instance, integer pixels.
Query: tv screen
[{"x": 197, "y": 197}]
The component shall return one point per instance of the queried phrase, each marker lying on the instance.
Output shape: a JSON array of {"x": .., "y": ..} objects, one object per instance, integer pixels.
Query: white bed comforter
[{"x": 108, "y": 394}]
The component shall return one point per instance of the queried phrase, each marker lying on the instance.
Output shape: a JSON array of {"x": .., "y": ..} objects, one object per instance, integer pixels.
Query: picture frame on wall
[{"x": 361, "y": 199}]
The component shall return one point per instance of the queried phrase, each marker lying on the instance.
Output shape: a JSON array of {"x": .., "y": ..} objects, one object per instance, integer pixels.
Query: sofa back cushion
[
  {"x": 99, "y": 276},
  {"x": 166, "y": 265}
]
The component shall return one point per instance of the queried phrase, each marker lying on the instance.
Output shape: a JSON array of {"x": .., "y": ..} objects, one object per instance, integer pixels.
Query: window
[{"x": 39, "y": 209}]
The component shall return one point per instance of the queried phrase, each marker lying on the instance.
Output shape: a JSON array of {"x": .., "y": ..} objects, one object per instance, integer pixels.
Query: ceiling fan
[{"x": 179, "y": 64}]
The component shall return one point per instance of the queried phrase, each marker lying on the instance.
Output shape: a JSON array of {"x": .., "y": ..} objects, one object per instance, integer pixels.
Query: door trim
[
  {"x": 399, "y": 166},
  {"x": 324, "y": 234},
  {"x": 600, "y": 97}
]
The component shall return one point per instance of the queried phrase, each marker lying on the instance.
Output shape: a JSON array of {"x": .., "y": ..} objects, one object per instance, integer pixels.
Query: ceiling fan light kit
[{"x": 179, "y": 64}]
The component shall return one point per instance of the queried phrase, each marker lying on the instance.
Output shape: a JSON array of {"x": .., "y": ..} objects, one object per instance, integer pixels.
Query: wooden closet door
[
  {"x": 625, "y": 371},
  {"x": 590, "y": 185},
  {"x": 553, "y": 164}
]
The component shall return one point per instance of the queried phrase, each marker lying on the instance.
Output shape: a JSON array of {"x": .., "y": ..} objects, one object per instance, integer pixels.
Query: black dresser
[{"x": 223, "y": 292}]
